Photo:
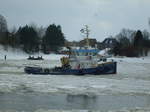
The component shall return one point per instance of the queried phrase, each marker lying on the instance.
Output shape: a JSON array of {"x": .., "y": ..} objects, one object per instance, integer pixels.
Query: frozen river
[{"x": 127, "y": 91}]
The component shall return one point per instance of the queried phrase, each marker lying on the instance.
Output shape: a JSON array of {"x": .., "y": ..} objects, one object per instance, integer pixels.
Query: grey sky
[{"x": 104, "y": 17}]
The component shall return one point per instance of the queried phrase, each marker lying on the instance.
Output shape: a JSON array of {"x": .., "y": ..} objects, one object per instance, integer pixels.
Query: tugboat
[{"x": 79, "y": 62}]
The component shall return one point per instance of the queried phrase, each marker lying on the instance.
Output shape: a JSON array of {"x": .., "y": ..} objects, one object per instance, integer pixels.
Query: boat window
[
  {"x": 83, "y": 54},
  {"x": 77, "y": 53}
]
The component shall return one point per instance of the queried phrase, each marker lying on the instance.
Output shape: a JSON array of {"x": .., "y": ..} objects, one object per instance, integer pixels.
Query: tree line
[
  {"x": 32, "y": 39},
  {"x": 132, "y": 43}
]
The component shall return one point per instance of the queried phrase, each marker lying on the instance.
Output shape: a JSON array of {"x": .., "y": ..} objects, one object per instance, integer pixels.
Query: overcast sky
[{"x": 104, "y": 17}]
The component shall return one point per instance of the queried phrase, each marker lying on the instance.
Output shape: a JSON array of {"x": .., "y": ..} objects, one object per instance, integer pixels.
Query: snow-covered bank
[
  {"x": 132, "y": 60},
  {"x": 17, "y": 54},
  {"x": 12, "y": 53}
]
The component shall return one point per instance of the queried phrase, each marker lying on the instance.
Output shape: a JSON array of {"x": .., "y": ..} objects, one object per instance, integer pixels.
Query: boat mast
[{"x": 86, "y": 31}]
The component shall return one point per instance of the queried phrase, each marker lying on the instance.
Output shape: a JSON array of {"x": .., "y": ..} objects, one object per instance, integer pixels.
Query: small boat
[
  {"x": 80, "y": 61},
  {"x": 35, "y": 58}
]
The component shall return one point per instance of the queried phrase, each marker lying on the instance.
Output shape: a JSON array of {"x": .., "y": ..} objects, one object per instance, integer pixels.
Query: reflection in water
[
  {"x": 84, "y": 101},
  {"x": 148, "y": 101},
  {"x": 34, "y": 101}
]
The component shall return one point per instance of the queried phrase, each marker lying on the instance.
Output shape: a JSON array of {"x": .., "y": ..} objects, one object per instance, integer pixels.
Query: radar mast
[{"x": 86, "y": 31}]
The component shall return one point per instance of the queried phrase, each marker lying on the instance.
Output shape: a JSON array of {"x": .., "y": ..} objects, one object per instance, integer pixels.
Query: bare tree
[
  {"x": 3, "y": 31},
  {"x": 3, "y": 24},
  {"x": 146, "y": 35},
  {"x": 149, "y": 22},
  {"x": 126, "y": 37}
]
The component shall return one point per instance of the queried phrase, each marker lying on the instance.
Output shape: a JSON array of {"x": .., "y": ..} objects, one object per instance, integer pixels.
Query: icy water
[
  {"x": 127, "y": 91},
  {"x": 31, "y": 102}
]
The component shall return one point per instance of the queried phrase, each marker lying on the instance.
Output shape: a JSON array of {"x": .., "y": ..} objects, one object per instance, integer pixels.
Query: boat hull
[{"x": 107, "y": 68}]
